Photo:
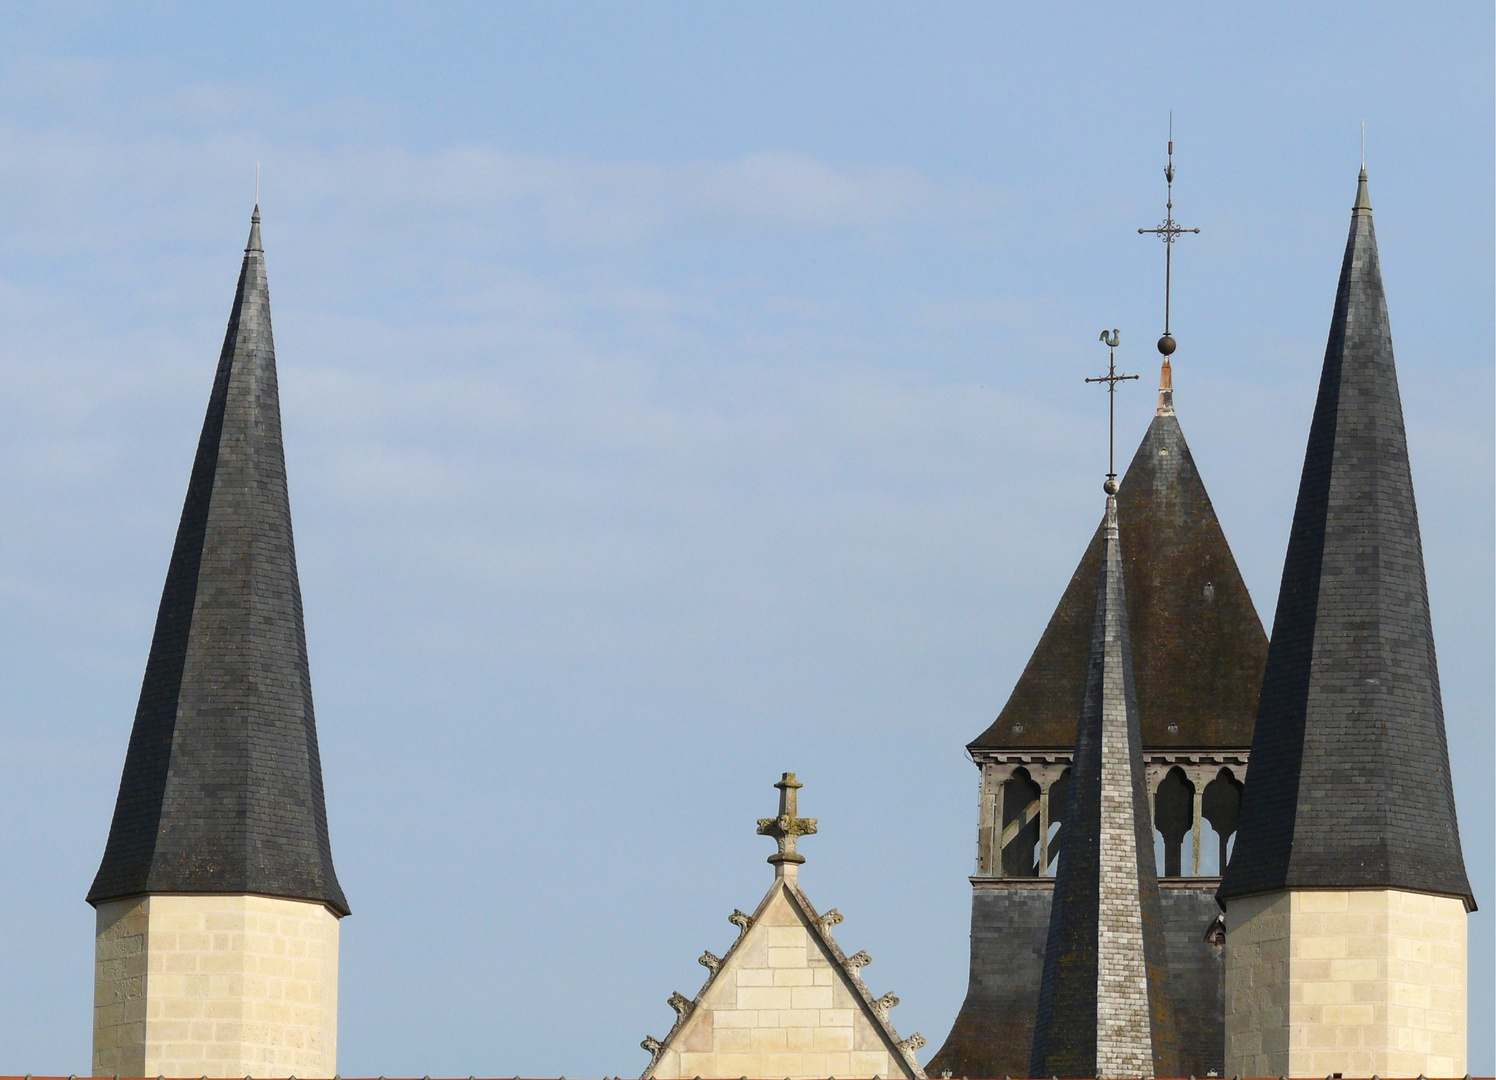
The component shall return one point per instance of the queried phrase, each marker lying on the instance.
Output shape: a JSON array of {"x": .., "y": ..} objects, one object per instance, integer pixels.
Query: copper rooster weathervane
[{"x": 1111, "y": 378}]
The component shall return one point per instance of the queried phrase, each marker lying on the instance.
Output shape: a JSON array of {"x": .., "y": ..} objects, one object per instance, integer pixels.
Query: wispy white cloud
[{"x": 604, "y": 471}]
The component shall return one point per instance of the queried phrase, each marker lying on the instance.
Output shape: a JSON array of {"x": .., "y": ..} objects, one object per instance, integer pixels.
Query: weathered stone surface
[
  {"x": 784, "y": 1001},
  {"x": 215, "y": 986},
  {"x": 1196, "y": 975},
  {"x": 994, "y": 1032},
  {"x": 1368, "y": 982}
]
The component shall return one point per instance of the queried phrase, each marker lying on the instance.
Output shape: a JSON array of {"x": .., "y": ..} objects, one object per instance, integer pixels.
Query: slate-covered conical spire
[
  {"x": 1349, "y": 785},
  {"x": 222, "y": 785},
  {"x": 1103, "y": 1004}
]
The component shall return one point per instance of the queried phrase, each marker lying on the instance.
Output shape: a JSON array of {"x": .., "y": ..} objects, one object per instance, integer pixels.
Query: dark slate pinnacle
[
  {"x": 1103, "y": 1006},
  {"x": 1349, "y": 785},
  {"x": 222, "y": 786},
  {"x": 1200, "y": 645}
]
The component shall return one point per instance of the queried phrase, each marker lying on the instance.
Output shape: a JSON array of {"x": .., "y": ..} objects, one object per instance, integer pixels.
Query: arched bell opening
[
  {"x": 1173, "y": 818},
  {"x": 1020, "y": 830},
  {"x": 1220, "y": 806}
]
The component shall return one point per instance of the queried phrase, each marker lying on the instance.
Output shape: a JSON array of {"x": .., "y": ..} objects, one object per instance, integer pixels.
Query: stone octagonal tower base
[
  {"x": 1369, "y": 982},
  {"x": 215, "y": 986}
]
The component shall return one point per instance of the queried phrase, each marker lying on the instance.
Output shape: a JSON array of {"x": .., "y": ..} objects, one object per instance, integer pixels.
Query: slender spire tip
[
  {"x": 254, "y": 231},
  {"x": 1363, "y": 197}
]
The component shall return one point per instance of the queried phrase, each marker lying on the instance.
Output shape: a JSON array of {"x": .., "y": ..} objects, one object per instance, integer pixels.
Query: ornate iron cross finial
[
  {"x": 788, "y": 827},
  {"x": 1111, "y": 378},
  {"x": 1168, "y": 232}
]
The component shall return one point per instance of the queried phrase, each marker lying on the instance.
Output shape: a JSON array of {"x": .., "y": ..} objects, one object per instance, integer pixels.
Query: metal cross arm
[{"x": 1169, "y": 230}]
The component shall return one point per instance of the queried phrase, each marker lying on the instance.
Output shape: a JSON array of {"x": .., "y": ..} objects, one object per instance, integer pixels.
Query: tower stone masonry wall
[
  {"x": 215, "y": 986},
  {"x": 1361, "y": 982}
]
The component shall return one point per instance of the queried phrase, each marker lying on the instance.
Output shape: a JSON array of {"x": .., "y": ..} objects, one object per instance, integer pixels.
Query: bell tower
[{"x": 1198, "y": 650}]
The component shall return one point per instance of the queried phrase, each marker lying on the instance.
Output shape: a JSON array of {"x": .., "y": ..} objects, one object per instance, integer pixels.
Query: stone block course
[
  {"x": 1367, "y": 1012},
  {"x": 779, "y": 1006},
  {"x": 194, "y": 1011}
]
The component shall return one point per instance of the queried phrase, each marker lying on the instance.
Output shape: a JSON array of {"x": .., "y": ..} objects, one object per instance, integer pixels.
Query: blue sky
[{"x": 676, "y": 395}]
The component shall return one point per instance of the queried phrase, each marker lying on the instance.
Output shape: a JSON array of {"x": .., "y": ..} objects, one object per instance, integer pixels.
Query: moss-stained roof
[{"x": 1198, "y": 644}]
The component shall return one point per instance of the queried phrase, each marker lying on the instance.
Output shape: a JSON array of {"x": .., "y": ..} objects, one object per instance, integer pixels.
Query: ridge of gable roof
[{"x": 875, "y": 1010}]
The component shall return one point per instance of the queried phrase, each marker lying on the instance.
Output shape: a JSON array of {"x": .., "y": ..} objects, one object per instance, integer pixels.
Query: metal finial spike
[
  {"x": 257, "y": 183},
  {"x": 1363, "y": 196},
  {"x": 1363, "y": 145},
  {"x": 1168, "y": 231}
]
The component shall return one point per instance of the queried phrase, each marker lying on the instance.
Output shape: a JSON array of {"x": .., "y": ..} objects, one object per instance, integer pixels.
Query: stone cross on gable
[{"x": 788, "y": 827}]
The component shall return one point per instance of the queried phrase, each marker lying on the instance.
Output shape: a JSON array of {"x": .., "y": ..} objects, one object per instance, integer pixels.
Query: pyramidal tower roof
[
  {"x": 222, "y": 785},
  {"x": 1349, "y": 785},
  {"x": 1103, "y": 1007},
  {"x": 1200, "y": 646}
]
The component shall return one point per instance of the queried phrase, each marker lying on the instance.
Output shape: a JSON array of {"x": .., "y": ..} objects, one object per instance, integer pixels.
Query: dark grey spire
[
  {"x": 222, "y": 785},
  {"x": 1103, "y": 1007},
  {"x": 1349, "y": 785}
]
